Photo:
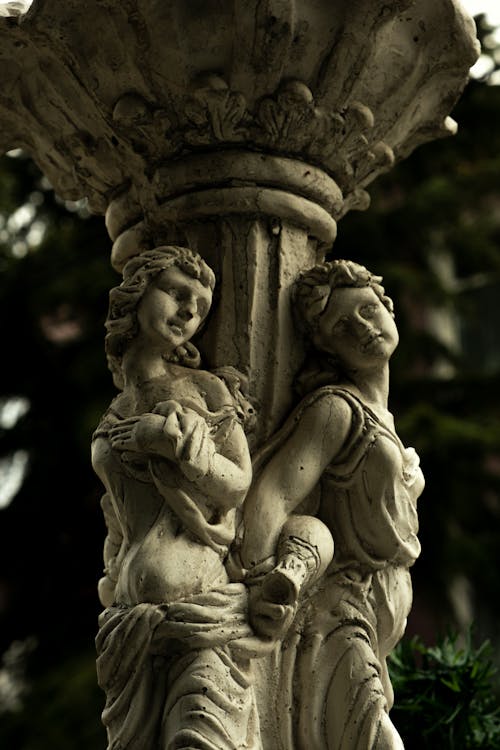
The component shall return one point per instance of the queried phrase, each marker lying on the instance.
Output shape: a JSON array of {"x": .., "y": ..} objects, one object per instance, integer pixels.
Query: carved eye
[
  {"x": 340, "y": 326},
  {"x": 202, "y": 309},
  {"x": 173, "y": 292},
  {"x": 368, "y": 311}
]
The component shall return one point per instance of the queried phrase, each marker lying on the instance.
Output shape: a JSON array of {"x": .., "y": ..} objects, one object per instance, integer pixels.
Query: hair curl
[{"x": 121, "y": 323}]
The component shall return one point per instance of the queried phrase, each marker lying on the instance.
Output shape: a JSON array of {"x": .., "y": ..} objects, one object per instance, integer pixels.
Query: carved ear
[
  {"x": 319, "y": 369},
  {"x": 324, "y": 345},
  {"x": 319, "y": 297}
]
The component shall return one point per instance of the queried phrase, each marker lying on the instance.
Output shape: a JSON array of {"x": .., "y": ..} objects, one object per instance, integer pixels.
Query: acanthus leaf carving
[
  {"x": 216, "y": 112},
  {"x": 288, "y": 122},
  {"x": 146, "y": 127},
  {"x": 339, "y": 140}
]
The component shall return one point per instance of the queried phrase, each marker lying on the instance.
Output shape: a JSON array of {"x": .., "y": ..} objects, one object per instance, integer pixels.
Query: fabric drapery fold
[{"x": 168, "y": 670}]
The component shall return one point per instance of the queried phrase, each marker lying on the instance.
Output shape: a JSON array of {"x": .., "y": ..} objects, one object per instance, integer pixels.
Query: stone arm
[
  {"x": 223, "y": 472},
  {"x": 182, "y": 436},
  {"x": 291, "y": 474}
]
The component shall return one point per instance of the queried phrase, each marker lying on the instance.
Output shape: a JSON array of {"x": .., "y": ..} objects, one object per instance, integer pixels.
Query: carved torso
[
  {"x": 369, "y": 494},
  {"x": 162, "y": 557}
]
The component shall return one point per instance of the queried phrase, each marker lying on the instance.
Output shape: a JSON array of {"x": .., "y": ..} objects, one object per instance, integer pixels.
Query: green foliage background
[
  {"x": 443, "y": 202},
  {"x": 445, "y": 697}
]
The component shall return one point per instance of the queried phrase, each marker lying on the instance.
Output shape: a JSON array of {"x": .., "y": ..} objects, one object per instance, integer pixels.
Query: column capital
[{"x": 101, "y": 94}]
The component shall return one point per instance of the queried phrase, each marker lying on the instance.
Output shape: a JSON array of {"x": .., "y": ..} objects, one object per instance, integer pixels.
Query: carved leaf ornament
[{"x": 96, "y": 91}]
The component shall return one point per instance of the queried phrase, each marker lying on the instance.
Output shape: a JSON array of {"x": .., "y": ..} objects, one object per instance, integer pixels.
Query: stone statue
[
  {"x": 173, "y": 457},
  {"x": 247, "y": 130},
  {"x": 337, "y": 457}
]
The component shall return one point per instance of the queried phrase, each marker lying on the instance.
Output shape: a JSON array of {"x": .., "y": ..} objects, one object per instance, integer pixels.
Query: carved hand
[
  {"x": 147, "y": 433},
  {"x": 196, "y": 448},
  {"x": 267, "y": 618}
]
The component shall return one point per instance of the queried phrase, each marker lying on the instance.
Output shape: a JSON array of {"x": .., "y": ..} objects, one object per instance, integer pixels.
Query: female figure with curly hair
[
  {"x": 173, "y": 456},
  {"x": 338, "y": 457}
]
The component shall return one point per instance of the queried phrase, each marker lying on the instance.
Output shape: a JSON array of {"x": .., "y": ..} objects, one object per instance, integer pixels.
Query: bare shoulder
[
  {"x": 325, "y": 415},
  {"x": 214, "y": 389}
]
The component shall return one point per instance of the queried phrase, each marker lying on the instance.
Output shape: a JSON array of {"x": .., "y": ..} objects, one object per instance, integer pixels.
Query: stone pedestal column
[{"x": 257, "y": 219}]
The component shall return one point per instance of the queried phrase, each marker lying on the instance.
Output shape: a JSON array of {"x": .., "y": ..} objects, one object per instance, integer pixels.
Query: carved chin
[{"x": 374, "y": 345}]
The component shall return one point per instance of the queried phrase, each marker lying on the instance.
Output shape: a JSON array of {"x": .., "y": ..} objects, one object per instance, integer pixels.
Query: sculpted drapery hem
[{"x": 171, "y": 679}]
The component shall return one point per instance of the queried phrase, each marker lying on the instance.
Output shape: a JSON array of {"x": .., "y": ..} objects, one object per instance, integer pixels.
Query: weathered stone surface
[
  {"x": 316, "y": 588},
  {"x": 244, "y": 607},
  {"x": 172, "y": 454},
  {"x": 249, "y": 123},
  {"x": 335, "y": 478},
  {"x": 101, "y": 93}
]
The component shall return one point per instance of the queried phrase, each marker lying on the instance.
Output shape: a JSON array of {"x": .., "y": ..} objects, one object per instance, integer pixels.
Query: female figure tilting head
[
  {"x": 338, "y": 457},
  {"x": 173, "y": 456}
]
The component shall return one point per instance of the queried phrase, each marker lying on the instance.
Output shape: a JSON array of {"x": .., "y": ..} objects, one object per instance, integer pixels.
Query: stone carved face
[
  {"x": 357, "y": 328},
  {"x": 172, "y": 309}
]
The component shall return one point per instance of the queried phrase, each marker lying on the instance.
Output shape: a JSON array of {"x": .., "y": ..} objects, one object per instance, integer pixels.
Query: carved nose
[
  {"x": 362, "y": 324},
  {"x": 186, "y": 313}
]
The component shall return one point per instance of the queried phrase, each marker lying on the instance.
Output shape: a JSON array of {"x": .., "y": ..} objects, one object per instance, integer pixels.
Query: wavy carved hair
[
  {"x": 121, "y": 323},
  {"x": 311, "y": 295}
]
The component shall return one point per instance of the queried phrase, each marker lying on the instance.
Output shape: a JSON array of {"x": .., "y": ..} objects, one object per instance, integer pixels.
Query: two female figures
[{"x": 172, "y": 454}]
